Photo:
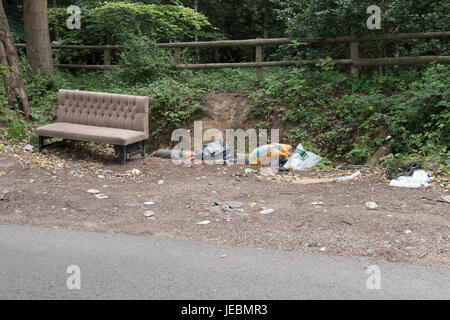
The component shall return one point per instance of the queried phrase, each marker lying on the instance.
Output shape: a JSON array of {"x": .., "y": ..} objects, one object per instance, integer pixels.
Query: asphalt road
[{"x": 34, "y": 262}]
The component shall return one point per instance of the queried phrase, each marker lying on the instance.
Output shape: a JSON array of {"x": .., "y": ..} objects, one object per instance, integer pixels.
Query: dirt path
[{"x": 50, "y": 190}]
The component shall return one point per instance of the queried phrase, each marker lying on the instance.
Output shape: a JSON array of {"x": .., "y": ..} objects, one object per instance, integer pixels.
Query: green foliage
[
  {"x": 114, "y": 22},
  {"x": 332, "y": 18},
  {"x": 117, "y": 22},
  {"x": 348, "y": 119},
  {"x": 143, "y": 62},
  {"x": 422, "y": 121}
]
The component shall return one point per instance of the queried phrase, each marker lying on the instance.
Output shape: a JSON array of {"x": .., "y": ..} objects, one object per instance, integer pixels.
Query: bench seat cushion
[{"x": 80, "y": 132}]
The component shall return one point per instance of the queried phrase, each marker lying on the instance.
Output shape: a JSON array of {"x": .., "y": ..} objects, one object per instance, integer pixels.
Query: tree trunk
[
  {"x": 55, "y": 5},
  {"x": 197, "y": 50},
  {"x": 37, "y": 36},
  {"x": 266, "y": 19},
  {"x": 10, "y": 68}
]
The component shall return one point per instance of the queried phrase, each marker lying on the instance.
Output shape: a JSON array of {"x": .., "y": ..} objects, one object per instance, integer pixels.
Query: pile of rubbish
[
  {"x": 410, "y": 176},
  {"x": 267, "y": 155},
  {"x": 283, "y": 157}
]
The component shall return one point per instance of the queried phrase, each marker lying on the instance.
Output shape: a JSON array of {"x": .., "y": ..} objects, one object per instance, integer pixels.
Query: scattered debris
[
  {"x": 101, "y": 196},
  {"x": 269, "y": 153},
  {"x": 347, "y": 178},
  {"x": 234, "y": 205},
  {"x": 161, "y": 182},
  {"x": 216, "y": 151},
  {"x": 101, "y": 176},
  {"x": 302, "y": 159},
  {"x": 267, "y": 211},
  {"x": 322, "y": 249},
  {"x": 407, "y": 232},
  {"x": 423, "y": 255},
  {"x": 403, "y": 169},
  {"x": 418, "y": 179},
  {"x": 354, "y": 166},
  {"x": 204, "y": 222},
  {"x": 315, "y": 203},
  {"x": 173, "y": 154},
  {"x": 248, "y": 170},
  {"x": 28, "y": 147},
  {"x": 312, "y": 180},
  {"x": 446, "y": 198},
  {"x": 94, "y": 191},
  {"x": 218, "y": 208},
  {"x": 437, "y": 200},
  {"x": 371, "y": 206},
  {"x": 135, "y": 172},
  {"x": 4, "y": 194},
  {"x": 149, "y": 203},
  {"x": 149, "y": 214},
  {"x": 224, "y": 256}
]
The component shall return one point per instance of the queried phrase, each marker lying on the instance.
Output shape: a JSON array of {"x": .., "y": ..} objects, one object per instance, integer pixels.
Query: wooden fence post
[
  {"x": 259, "y": 58},
  {"x": 107, "y": 56},
  {"x": 354, "y": 54},
  {"x": 177, "y": 56}
]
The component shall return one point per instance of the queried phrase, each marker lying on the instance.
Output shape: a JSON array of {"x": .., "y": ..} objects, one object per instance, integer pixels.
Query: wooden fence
[{"x": 355, "y": 62}]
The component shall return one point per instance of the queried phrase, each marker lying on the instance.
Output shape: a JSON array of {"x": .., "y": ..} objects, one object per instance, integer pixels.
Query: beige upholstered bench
[{"x": 116, "y": 119}]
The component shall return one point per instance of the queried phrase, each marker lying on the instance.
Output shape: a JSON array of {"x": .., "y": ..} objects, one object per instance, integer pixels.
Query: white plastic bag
[
  {"x": 418, "y": 179},
  {"x": 302, "y": 159}
]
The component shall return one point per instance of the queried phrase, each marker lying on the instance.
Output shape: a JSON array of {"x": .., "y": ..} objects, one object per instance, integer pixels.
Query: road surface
[{"x": 34, "y": 262}]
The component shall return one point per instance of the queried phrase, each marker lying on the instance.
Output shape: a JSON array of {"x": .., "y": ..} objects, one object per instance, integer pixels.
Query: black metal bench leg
[
  {"x": 123, "y": 155},
  {"x": 143, "y": 149}
]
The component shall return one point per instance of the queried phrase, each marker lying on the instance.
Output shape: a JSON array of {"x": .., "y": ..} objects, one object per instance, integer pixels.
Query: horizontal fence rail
[{"x": 355, "y": 61}]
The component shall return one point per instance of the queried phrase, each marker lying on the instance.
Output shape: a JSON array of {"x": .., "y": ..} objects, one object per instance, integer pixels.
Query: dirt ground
[{"x": 50, "y": 189}]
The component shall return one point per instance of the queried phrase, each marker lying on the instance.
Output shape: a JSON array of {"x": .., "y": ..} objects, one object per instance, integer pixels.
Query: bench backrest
[{"x": 103, "y": 109}]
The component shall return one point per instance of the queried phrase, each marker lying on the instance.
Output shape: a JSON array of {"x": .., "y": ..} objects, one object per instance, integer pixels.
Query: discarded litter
[
  {"x": 248, "y": 170},
  {"x": 204, "y": 222},
  {"x": 446, "y": 198},
  {"x": 418, "y": 179},
  {"x": 28, "y": 147},
  {"x": 101, "y": 176},
  {"x": 403, "y": 169},
  {"x": 347, "y": 178},
  {"x": 267, "y": 154},
  {"x": 371, "y": 205},
  {"x": 94, "y": 191},
  {"x": 149, "y": 203},
  {"x": 267, "y": 211},
  {"x": 149, "y": 214},
  {"x": 354, "y": 166},
  {"x": 161, "y": 182},
  {"x": 234, "y": 205},
  {"x": 407, "y": 231},
  {"x": 136, "y": 172},
  {"x": 101, "y": 196},
  {"x": 216, "y": 151},
  {"x": 302, "y": 159},
  {"x": 3, "y": 194},
  {"x": 317, "y": 203}
]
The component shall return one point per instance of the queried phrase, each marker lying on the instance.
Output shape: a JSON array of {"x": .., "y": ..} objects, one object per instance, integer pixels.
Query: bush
[{"x": 143, "y": 62}]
